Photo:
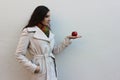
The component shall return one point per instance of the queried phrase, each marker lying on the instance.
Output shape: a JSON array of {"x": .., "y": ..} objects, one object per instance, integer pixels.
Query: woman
[{"x": 38, "y": 40}]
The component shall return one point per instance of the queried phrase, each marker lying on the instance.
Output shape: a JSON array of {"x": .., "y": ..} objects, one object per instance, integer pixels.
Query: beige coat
[{"x": 42, "y": 50}]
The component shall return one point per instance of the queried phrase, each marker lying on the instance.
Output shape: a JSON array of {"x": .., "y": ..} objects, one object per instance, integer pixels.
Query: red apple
[{"x": 74, "y": 33}]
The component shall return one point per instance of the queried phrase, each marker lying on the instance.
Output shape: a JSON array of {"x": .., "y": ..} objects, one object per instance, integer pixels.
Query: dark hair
[{"x": 37, "y": 16}]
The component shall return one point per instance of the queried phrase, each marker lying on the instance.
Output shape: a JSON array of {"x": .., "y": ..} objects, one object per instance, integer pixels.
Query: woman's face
[{"x": 46, "y": 20}]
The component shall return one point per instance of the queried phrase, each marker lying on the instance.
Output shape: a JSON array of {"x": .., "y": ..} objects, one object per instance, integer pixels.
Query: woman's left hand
[{"x": 74, "y": 37}]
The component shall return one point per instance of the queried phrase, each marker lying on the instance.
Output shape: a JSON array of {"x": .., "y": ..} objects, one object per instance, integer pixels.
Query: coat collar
[{"x": 39, "y": 34}]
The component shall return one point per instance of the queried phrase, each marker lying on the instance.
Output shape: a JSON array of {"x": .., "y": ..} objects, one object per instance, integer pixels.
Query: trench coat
[{"x": 42, "y": 50}]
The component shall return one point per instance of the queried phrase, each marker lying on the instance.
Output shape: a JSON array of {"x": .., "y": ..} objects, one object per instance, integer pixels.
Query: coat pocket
[{"x": 40, "y": 61}]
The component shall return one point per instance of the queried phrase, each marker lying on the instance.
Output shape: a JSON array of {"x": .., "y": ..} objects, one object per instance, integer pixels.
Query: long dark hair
[{"x": 37, "y": 16}]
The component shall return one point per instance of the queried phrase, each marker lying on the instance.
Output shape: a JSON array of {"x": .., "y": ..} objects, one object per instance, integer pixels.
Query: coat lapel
[{"x": 39, "y": 34}]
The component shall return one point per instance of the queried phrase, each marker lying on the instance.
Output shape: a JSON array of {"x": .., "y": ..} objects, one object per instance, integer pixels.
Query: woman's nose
[{"x": 49, "y": 18}]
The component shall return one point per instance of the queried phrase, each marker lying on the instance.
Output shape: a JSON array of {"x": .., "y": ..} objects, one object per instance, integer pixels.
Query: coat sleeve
[
  {"x": 60, "y": 47},
  {"x": 22, "y": 50}
]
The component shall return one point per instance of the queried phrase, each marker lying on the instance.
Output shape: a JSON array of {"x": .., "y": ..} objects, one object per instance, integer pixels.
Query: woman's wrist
[{"x": 68, "y": 37}]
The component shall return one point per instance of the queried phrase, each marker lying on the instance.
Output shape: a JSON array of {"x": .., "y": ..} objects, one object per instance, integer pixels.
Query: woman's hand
[
  {"x": 74, "y": 37},
  {"x": 37, "y": 69}
]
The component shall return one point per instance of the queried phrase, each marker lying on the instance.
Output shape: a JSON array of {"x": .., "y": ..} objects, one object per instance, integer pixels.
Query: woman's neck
[
  {"x": 40, "y": 25},
  {"x": 45, "y": 29}
]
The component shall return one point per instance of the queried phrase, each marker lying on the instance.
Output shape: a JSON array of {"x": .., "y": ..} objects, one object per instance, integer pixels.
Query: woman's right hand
[
  {"x": 74, "y": 37},
  {"x": 37, "y": 69}
]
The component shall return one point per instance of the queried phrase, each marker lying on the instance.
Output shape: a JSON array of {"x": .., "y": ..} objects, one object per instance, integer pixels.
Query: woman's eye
[{"x": 47, "y": 16}]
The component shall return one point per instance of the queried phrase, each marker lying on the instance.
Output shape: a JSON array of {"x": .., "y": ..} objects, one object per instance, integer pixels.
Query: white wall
[{"x": 93, "y": 57}]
